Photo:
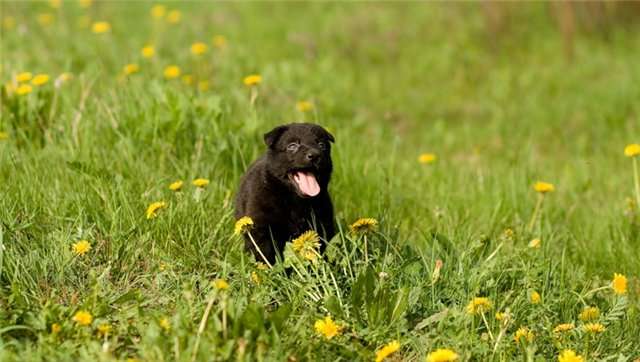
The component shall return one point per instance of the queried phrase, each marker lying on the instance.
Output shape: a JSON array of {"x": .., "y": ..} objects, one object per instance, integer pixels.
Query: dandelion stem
[
  {"x": 595, "y": 290},
  {"x": 224, "y": 316},
  {"x": 54, "y": 104},
  {"x": 494, "y": 252},
  {"x": 203, "y": 324},
  {"x": 293, "y": 266},
  {"x": 636, "y": 178},
  {"x": 254, "y": 96},
  {"x": 535, "y": 213},
  {"x": 587, "y": 344},
  {"x": 499, "y": 338},
  {"x": 259, "y": 250},
  {"x": 484, "y": 319},
  {"x": 366, "y": 253}
]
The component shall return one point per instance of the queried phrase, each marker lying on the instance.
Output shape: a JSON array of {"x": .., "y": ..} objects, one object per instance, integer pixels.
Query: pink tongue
[{"x": 307, "y": 183}]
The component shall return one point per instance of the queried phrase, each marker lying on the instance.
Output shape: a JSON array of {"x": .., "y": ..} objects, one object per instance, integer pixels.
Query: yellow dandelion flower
[
  {"x": 632, "y": 150},
  {"x": 200, "y": 182},
  {"x": 619, "y": 284},
  {"x": 85, "y": 3},
  {"x": 594, "y": 328},
  {"x": 8, "y": 22},
  {"x": 148, "y": 51},
  {"x": 198, "y": 48},
  {"x": 327, "y": 327},
  {"x": 45, "y": 19},
  {"x": 174, "y": 16},
  {"x": 40, "y": 79},
  {"x": 154, "y": 207},
  {"x": 387, "y": 350},
  {"x": 219, "y": 41},
  {"x": 4, "y": 136},
  {"x": 220, "y": 284},
  {"x": 589, "y": 314},
  {"x": 131, "y": 69},
  {"x": 478, "y": 305},
  {"x": 100, "y": 27},
  {"x": 569, "y": 356},
  {"x": 203, "y": 85},
  {"x": 24, "y": 77},
  {"x": 523, "y": 334},
  {"x": 307, "y": 245},
  {"x": 255, "y": 277},
  {"x": 543, "y": 187},
  {"x": 56, "y": 328},
  {"x": 55, "y": 3},
  {"x": 83, "y": 318},
  {"x": 171, "y": 72},
  {"x": 252, "y": 80},
  {"x": 304, "y": 106},
  {"x": 442, "y": 355},
  {"x": 500, "y": 316},
  {"x": 104, "y": 329},
  {"x": 535, "y": 243},
  {"x": 427, "y": 158},
  {"x": 81, "y": 247},
  {"x": 165, "y": 324},
  {"x": 508, "y": 234},
  {"x": 176, "y": 186},
  {"x": 535, "y": 297},
  {"x": 363, "y": 225},
  {"x": 23, "y": 89},
  {"x": 158, "y": 11},
  {"x": 243, "y": 225},
  {"x": 564, "y": 327}
]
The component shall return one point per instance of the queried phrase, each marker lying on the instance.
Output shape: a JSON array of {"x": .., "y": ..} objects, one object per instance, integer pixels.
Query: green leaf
[
  {"x": 252, "y": 318},
  {"x": 333, "y": 306},
  {"x": 279, "y": 316},
  {"x": 400, "y": 304}
]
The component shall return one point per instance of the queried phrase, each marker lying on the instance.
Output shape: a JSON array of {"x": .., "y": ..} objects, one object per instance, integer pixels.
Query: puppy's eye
[
  {"x": 293, "y": 146},
  {"x": 322, "y": 145}
]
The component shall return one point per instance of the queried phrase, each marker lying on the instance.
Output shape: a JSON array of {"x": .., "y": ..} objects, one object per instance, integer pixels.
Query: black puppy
[{"x": 285, "y": 191}]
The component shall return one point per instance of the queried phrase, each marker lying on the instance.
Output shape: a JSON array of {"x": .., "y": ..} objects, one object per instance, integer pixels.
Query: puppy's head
[{"x": 299, "y": 156}]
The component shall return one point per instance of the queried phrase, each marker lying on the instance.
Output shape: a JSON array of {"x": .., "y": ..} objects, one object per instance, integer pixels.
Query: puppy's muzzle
[{"x": 312, "y": 155}]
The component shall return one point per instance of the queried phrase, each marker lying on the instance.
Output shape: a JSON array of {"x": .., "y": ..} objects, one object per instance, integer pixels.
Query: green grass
[{"x": 390, "y": 81}]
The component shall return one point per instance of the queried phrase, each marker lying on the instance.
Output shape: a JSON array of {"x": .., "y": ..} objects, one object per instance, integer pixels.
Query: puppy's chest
[{"x": 300, "y": 216}]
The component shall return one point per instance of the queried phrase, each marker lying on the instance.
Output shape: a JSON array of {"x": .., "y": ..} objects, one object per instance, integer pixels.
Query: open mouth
[{"x": 306, "y": 182}]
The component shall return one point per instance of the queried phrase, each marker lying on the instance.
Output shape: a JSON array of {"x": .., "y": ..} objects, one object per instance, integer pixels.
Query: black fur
[{"x": 268, "y": 195}]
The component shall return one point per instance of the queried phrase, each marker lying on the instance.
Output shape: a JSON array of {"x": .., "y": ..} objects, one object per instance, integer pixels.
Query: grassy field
[{"x": 84, "y": 153}]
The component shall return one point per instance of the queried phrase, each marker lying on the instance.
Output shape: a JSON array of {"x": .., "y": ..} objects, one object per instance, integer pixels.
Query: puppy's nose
[{"x": 313, "y": 155}]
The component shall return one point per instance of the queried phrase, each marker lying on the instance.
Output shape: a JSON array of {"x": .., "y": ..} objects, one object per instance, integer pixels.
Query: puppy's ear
[
  {"x": 272, "y": 137},
  {"x": 329, "y": 135}
]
